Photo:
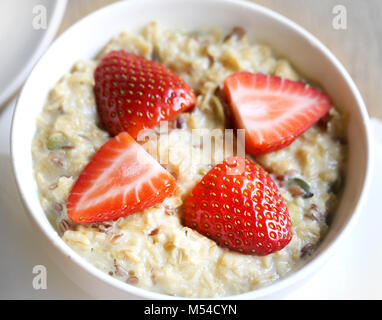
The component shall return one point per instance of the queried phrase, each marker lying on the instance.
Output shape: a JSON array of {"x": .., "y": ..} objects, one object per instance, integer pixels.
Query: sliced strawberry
[
  {"x": 133, "y": 93},
  {"x": 238, "y": 205},
  {"x": 273, "y": 111},
  {"x": 121, "y": 179}
]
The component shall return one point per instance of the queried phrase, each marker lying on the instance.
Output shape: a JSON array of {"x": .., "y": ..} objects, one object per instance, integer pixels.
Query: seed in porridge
[
  {"x": 116, "y": 238},
  {"x": 315, "y": 213},
  {"x": 295, "y": 190},
  {"x": 180, "y": 124},
  {"x": 55, "y": 159},
  {"x": 58, "y": 206},
  {"x": 105, "y": 227},
  {"x": 154, "y": 232},
  {"x": 162, "y": 82},
  {"x": 56, "y": 140},
  {"x": 298, "y": 187},
  {"x": 287, "y": 107},
  {"x": 84, "y": 137},
  {"x": 118, "y": 163},
  {"x": 154, "y": 279},
  {"x": 133, "y": 280},
  {"x": 119, "y": 271},
  {"x": 67, "y": 147},
  {"x": 64, "y": 225},
  {"x": 269, "y": 206},
  {"x": 236, "y": 32},
  {"x": 174, "y": 174},
  {"x": 53, "y": 186}
]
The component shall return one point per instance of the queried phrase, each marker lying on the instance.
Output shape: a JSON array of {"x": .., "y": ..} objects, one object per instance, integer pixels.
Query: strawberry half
[
  {"x": 237, "y": 205},
  {"x": 273, "y": 111},
  {"x": 121, "y": 179},
  {"x": 133, "y": 93}
]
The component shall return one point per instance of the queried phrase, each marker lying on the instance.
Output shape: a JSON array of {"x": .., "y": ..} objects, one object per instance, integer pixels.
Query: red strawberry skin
[
  {"x": 121, "y": 179},
  {"x": 273, "y": 111},
  {"x": 237, "y": 205},
  {"x": 133, "y": 93}
]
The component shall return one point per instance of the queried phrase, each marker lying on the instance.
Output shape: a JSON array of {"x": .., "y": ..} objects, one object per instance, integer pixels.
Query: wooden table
[{"x": 358, "y": 47}]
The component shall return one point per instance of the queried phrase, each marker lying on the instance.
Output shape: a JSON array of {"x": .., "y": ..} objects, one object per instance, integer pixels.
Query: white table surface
[
  {"x": 353, "y": 273},
  {"x": 19, "y": 251}
]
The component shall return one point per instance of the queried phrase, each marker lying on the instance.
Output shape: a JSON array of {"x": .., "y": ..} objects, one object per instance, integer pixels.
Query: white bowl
[
  {"x": 88, "y": 36},
  {"x": 25, "y": 43}
]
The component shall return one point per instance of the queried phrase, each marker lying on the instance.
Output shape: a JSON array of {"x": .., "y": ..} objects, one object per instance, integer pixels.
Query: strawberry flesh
[
  {"x": 238, "y": 205},
  {"x": 273, "y": 111},
  {"x": 121, "y": 179},
  {"x": 133, "y": 93}
]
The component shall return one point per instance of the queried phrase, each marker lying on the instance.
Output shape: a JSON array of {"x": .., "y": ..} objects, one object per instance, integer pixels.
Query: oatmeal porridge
[{"x": 153, "y": 249}]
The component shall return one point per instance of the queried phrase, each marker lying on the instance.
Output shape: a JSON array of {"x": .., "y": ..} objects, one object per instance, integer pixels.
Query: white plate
[{"x": 23, "y": 38}]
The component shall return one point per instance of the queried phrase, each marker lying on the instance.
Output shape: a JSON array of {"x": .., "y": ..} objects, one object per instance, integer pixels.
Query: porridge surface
[{"x": 152, "y": 249}]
